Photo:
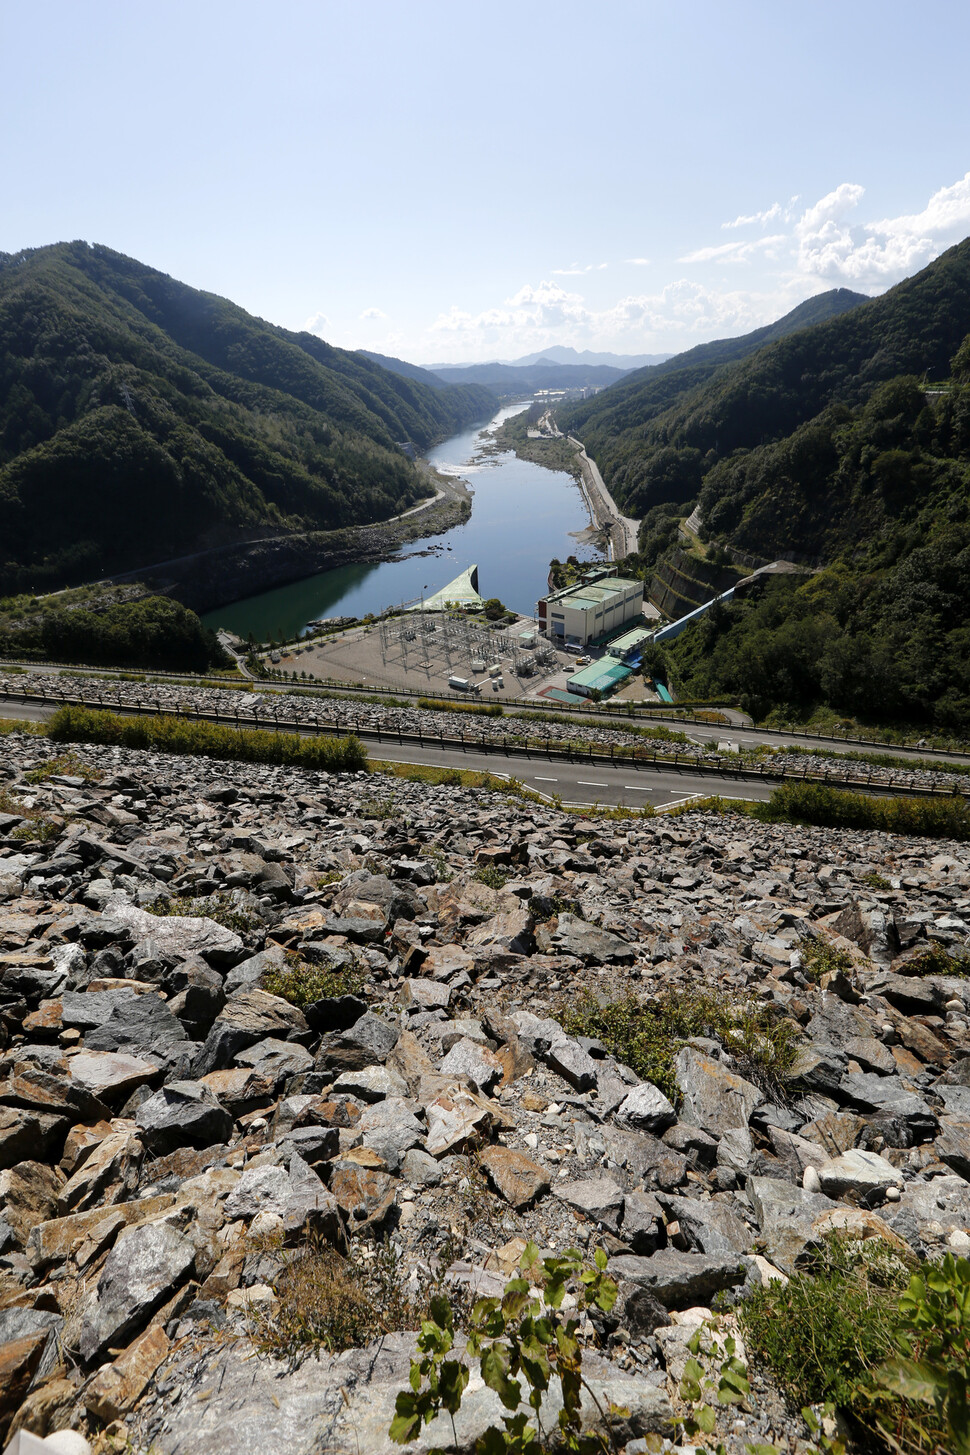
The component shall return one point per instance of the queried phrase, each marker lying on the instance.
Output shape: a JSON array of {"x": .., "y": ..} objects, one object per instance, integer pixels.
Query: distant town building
[{"x": 597, "y": 607}]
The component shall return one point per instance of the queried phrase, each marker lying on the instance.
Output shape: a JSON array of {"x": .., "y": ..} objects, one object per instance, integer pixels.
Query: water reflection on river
[{"x": 522, "y": 516}]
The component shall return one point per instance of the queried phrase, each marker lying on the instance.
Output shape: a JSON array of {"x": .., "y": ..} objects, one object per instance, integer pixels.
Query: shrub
[
  {"x": 814, "y": 803},
  {"x": 819, "y": 958},
  {"x": 301, "y": 984},
  {"x": 492, "y": 875},
  {"x": 646, "y": 1036},
  {"x": 891, "y": 1351},
  {"x": 207, "y": 740},
  {"x": 936, "y": 961}
]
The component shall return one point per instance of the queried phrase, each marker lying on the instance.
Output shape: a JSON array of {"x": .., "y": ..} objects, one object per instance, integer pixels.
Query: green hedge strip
[
  {"x": 207, "y": 740},
  {"x": 814, "y": 803}
]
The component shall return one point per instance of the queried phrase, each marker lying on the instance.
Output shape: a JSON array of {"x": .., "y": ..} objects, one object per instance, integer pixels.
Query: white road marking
[
  {"x": 539, "y": 779},
  {"x": 582, "y": 784},
  {"x": 638, "y": 788}
]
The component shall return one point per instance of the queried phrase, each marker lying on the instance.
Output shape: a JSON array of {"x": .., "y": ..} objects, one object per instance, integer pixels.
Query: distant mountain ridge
[
  {"x": 140, "y": 418},
  {"x": 615, "y": 425}
]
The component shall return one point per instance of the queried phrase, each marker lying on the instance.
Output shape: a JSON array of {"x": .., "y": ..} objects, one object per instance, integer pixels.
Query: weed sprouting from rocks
[{"x": 646, "y": 1035}]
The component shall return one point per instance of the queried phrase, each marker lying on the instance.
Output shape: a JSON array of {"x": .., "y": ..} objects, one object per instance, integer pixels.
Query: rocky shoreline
[{"x": 178, "y": 1137}]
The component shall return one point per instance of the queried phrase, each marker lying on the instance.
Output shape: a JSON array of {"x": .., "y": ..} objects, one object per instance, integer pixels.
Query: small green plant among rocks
[
  {"x": 937, "y": 961},
  {"x": 301, "y": 983},
  {"x": 819, "y": 958},
  {"x": 646, "y": 1035},
  {"x": 889, "y": 1349},
  {"x": 221, "y": 908},
  {"x": 524, "y": 1343},
  {"x": 492, "y": 875}
]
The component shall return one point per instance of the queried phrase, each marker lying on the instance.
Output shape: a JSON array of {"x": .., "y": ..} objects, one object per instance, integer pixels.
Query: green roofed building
[
  {"x": 463, "y": 592},
  {"x": 603, "y": 677},
  {"x": 630, "y": 644}
]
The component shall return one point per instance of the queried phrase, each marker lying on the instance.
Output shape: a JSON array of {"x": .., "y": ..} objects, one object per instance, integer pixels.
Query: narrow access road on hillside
[{"x": 623, "y": 530}]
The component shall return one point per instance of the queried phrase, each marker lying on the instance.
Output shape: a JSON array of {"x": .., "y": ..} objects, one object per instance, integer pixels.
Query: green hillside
[
  {"x": 643, "y": 465},
  {"x": 831, "y": 449},
  {"x": 141, "y": 418}
]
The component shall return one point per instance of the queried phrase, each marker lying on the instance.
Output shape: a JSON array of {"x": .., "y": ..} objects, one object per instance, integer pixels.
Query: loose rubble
[{"x": 172, "y": 1131}]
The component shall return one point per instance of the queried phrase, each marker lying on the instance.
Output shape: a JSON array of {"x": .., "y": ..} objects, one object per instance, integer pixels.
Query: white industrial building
[{"x": 597, "y": 607}]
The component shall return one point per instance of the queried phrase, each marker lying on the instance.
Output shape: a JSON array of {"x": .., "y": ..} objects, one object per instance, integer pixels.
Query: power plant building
[{"x": 596, "y": 608}]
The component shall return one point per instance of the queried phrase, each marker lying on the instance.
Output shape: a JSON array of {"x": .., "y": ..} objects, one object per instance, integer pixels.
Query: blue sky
[{"x": 450, "y": 182}]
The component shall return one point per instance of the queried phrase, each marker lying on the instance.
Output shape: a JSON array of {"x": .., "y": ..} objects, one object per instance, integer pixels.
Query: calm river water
[{"x": 522, "y": 516}]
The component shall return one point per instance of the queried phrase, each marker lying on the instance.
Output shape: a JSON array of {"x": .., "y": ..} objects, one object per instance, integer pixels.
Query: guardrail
[
  {"x": 504, "y": 747},
  {"x": 647, "y": 714}
]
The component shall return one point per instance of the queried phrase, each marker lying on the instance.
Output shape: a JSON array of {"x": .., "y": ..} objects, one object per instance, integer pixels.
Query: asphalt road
[{"x": 576, "y": 783}]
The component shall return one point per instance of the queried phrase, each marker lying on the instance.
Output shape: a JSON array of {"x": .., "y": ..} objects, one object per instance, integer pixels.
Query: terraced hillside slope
[{"x": 141, "y": 419}]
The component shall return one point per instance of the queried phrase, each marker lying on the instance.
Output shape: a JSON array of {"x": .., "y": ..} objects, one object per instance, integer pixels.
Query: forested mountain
[
  {"x": 140, "y": 418},
  {"x": 829, "y": 447},
  {"x": 615, "y": 426},
  {"x": 406, "y": 370}
]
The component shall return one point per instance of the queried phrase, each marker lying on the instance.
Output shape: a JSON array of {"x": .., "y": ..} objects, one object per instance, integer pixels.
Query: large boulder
[
  {"x": 248, "y": 1016},
  {"x": 715, "y": 1099},
  {"x": 144, "y": 1268},
  {"x": 182, "y": 1114}
]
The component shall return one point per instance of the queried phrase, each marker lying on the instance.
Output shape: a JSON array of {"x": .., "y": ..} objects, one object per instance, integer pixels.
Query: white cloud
[
  {"x": 809, "y": 249},
  {"x": 778, "y": 211},
  {"x": 576, "y": 270},
  {"x": 317, "y": 323},
  {"x": 638, "y": 262},
  {"x": 372, "y": 313},
  {"x": 736, "y": 252}
]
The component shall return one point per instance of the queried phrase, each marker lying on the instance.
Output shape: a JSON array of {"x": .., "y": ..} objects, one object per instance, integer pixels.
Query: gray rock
[
  {"x": 182, "y": 1114},
  {"x": 368, "y": 1042},
  {"x": 709, "y": 1227},
  {"x": 275, "y": 1059},
  {"x": 885, "y": 1095},
  {"x": 857, "y": 1171},
  {"x": 600, "y": 1199},
  {"x": 785, "y": 1216},
  {"x": 252, "y": 971},
  {"x": 467, "y": 1058},
  {"x": 143, "y": 1270},
  {"x": 179, "y": 935},
  {"x": 594, "y": 946},
  {"x": 715, "y": 1099},
  {"x": 250, "y": 1015},
  {"x": 646, "y": 1109},
  {"x": 294, "y": 1193},
  {"x": 144, "y": 1022},
  {"x": 680, "y": 1280},
  {"x": 953, "y": 1147},
  {"x": 642, "y": 1228},
  {"x": 573, "y": 1064},
  {"x": 390, "y": 1129}
]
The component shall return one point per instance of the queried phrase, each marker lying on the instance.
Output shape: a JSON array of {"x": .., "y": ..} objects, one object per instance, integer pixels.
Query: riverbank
[
  {"x": 227, "y": 573},
  {"x": 608, "y": 528}
]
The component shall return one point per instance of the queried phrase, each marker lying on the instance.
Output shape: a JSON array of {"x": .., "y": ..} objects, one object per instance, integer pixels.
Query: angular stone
[
  {"x": 457, "y": 1120},
  {"x": 858, "y": 1172},
  {"x": 642, "y": 1228},
  {"x": 514, "y": 1176},
  {"x": 294, "y": 1194},
  {"x": 714, "y": 1098},
  {"x": 28, "y": 1195},
  {"x": 182, "y": 1114},
  {"x": 368, "y": 1042},
  {"x": 680, "y": 1280},
  {"x": 180, "y": 936},
  {"x": 50, "y": 1242},
  {"x": 786, "y": 1214},
  {"x": 25, "y": 1134},
  {"x": 647, "y": 1159},
  {"x": 146, "y": 1023},
  {"x": 568, "y": 1059},
  {"x": 646, "y": 1109},
  {"x": 594, "y": 946},
  {"x": 114, "y": 1389},
  {"x": 953, "y": 1147},
  {"x": 887, "y": 1097},
  {"x": 373, "y": 1083},
  {"x": 511, "y": 930},
  {"x": 709, "y": 1227},
  {"x": 390, "y": 1129},
  {"x": 365, "y": 1195},
  {"x": 108, "y": 1175},
  {"x": 143, "y": 1269},
  {"x": 373, "y": 896},
  {"x": 598, "y": 1198},
  {"x": 110, "y": 1075},
  {"x": 466, "y": 1058},
  {"x": 247, "y": 1017},
  {"x": 275, "y": 1060}
]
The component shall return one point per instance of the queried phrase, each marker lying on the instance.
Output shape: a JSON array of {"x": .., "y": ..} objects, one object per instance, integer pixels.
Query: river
[{"x": 522, "y": 516}]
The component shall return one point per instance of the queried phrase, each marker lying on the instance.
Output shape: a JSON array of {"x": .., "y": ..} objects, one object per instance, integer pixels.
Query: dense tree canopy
[{"x": 140, "y": 418}]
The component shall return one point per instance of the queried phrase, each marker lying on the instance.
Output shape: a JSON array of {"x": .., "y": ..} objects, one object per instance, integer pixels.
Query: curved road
[{"x": 623, "y": 530}]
